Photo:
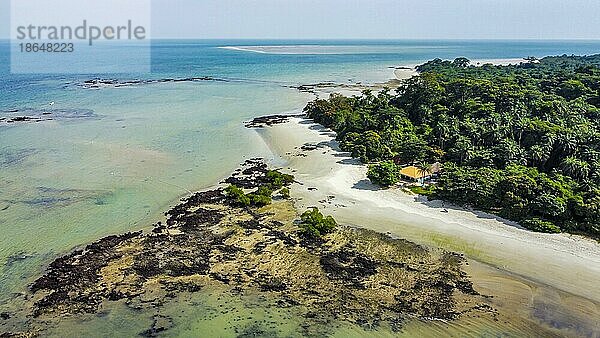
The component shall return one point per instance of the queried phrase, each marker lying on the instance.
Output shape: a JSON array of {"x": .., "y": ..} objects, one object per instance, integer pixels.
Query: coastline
[
  {"x": 398, "y": 74},
  {"x": 338, "y": 185},
  {"x": 521, "y": 270},
  {"x": 254, "y": 255}
]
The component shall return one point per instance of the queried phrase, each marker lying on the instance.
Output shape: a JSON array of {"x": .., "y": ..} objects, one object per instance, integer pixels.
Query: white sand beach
[
  {"x": 338, "y": 185},
  {"x": 497, "y": 62}
]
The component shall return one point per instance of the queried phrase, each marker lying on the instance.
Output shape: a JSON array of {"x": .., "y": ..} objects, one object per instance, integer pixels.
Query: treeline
[{"x": 522, "y": 141}]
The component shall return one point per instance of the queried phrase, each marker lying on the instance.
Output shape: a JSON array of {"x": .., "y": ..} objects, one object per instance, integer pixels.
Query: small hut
[{"x": 413, "y": 173}]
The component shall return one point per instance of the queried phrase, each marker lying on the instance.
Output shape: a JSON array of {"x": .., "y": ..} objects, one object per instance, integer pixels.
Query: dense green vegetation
[
  {"x": 522, "y": 141},
  {"x": 284, "y": 192},
  {"x": 238, "y": 195},
  {"x": 385, "y": 173},
  {"x": 263, "y": 195},
  {"x": 277, "y": 180},
  {"x": 315, "y": 224}
]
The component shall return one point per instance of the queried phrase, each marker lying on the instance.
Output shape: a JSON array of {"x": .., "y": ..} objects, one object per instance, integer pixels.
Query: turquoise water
[{"x": 67, "y": 182}]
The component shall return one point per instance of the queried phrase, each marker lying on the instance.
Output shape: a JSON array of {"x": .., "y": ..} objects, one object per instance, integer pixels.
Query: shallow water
[
  {"x": 66, "y": 182},
  {"x": 215, "y": 312}
]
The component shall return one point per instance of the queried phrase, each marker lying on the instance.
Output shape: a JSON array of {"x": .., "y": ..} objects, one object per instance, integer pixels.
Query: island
[
  {"x": 326, "y": 245},
  {"x": 521, "y": 141}
]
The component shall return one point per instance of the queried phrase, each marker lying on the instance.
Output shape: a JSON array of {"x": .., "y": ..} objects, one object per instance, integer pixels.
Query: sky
[{"x": 368, "y": 19}]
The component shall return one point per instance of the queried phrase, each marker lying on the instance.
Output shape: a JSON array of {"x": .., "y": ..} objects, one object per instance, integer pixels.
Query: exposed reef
[
  {"x": 329, "y": 87},
  {"x": 32, "y": 115},
  {"x": 311, "y": 88},
  {"x": 401, "y": 68},
  {"x": 269, "y": 120},
  {"x": 350, "y": 275},
  {"x": 114, "y": 83}
]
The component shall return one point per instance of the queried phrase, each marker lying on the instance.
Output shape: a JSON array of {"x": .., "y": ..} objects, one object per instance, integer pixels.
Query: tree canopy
[
  {"x": 520, "y": 140},
  {"x": 315, "y": 224}
]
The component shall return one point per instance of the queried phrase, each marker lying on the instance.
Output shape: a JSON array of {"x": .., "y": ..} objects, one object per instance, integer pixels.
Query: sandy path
[{"x": 338, "y": 185}]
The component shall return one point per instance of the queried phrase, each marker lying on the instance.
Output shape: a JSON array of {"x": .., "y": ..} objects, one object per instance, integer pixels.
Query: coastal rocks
[
  {"x": 251, "y": 176},
  {"x": 351, "y": 275},
  {"x": 32, "y": 115},
  {"x": 66, "y": 284},
  {"x": 193, "y": 219},
  {"x": 264, "y": 121},
  {"x": 311, "y": 88},
  {"x": 326, "y": 88},
  {"x": 348, "y": 266},
  {"x": 113, "y": 83},
  {"x": 310, "y": 147},
  {"x": 180, "y": 211},
  {"x": 16, "y": 119}
]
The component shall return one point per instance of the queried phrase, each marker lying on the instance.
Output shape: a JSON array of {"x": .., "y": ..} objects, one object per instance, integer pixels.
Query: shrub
[
  {"x": 264, "y": 191},
  {"x": 260, "y": 200},
  {"x": 238, "y": 195},
  {"x": 385, "y": 173},
  {"x": 538, "y": 225},
  {"x": 285, "y": 192},
  {"x": 315, "y": 224},
  {"x": 278, "y": 180},
  {"x": 261, "y": 197}
]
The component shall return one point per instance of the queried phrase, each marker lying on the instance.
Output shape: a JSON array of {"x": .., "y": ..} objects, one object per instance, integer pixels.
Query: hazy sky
[{"x": 384, "y": 19}]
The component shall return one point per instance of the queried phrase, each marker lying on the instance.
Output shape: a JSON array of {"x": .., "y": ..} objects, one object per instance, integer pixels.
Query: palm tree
[
  {"x": 442, "y": 129},
  {"x": 567, "y": 143},
  {"x": 509, "y": 151},
  {"x": 423, "y": 167},
  {"x": 575, "y": 168},
  {"x": 464, "y": 148},
  {"x": 519, "y": 128},
  {"x": 539, "y": 154}
]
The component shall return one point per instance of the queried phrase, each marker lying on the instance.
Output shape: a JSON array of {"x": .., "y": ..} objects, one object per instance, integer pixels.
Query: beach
[
  {"x": 546, "y": 278},
  {"x": 337, "y": 184},
  {"x": 169, "y": 138}
]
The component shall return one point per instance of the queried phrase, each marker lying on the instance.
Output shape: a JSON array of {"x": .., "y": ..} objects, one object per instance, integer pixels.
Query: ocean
[{"x": 114, "y": 159}]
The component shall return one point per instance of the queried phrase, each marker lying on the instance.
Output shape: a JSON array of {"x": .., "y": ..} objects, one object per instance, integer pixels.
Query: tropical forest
[{"x": 519, "y": 141}]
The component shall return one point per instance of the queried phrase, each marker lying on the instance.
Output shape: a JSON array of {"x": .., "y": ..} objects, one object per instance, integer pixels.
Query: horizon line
[{"x": 359, "y": 39}]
